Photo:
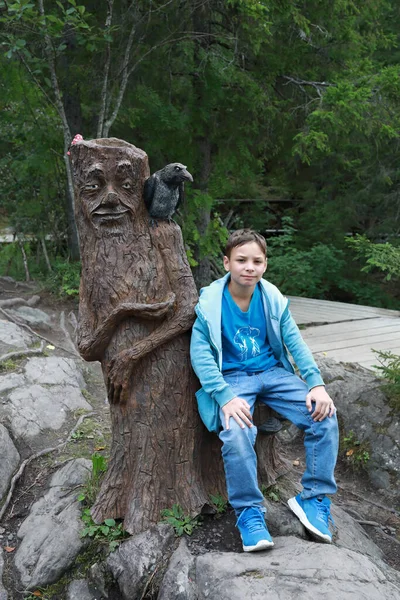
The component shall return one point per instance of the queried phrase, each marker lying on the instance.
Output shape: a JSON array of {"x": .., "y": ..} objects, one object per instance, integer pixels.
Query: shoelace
[
  {"x": 324, "y": 514},
  {"x": 254, "y": 522}
]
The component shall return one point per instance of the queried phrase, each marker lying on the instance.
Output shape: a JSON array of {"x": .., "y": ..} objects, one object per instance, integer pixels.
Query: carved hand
[
  {"x": 120, "y": 370},
  {"x": 147, "y": 311}
]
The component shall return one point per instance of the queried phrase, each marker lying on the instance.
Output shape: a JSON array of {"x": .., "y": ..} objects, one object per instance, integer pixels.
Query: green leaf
[{"x": 110, "y": 522}]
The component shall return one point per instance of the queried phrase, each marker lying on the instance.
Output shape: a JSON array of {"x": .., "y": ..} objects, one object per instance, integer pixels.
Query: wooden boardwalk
[{"x": 347, "y": 332}]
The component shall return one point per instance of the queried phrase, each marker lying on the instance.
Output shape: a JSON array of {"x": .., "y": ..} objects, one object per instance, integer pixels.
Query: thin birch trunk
[
  {"x": 24, "y": 258},
  {"x": 100, "y": 124},
  {"x": 46, "y": 256},
  {"x": 73, "y": 241}
]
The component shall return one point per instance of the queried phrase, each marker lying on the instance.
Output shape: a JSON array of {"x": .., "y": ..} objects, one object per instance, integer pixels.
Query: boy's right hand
[{"x": 238, "y": 409}]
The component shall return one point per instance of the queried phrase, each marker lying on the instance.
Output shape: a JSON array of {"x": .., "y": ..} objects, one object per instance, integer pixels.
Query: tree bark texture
[{"x": 137, "y": 299}]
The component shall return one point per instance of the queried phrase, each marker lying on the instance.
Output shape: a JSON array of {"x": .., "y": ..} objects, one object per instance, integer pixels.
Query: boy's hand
[
  {"x": 324, "y": 406},
  {"x": 238, "y": 409}
]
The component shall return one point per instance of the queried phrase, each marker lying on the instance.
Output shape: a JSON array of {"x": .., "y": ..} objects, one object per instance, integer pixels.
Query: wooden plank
[
  {"x": 342, "y": 332},
  {"x": 365, "y": 342},
  {"x": 321, "y": 312},
  {"x": 328, "y": 304},
  {"x": 351, "y": 326},
  {"x": 362, "y": 353}
]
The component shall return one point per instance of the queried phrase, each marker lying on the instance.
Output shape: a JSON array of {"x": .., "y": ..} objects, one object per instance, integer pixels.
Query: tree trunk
[{"x": 137, "y": 301}]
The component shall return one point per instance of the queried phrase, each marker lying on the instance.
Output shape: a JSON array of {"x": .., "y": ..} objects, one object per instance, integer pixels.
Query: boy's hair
[{"x": 244, "y": 236}]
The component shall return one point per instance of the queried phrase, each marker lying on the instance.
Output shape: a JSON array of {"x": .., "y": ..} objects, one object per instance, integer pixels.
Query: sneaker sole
[
  {"x": 301, "y": 515},
  {"x": 261, "y": 545}
]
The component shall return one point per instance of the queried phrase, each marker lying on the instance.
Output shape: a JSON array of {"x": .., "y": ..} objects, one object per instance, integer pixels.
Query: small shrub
[
  {"x": 110, "y": 532},
  {"x": 389, "y": 369},
  {"x": 99, "y": 466},
  {"x": 219, "y": 502},
  {"x": 355, "y": 452},
  {"x": 179, "y": 521},
  {"x": 271, "y": 493}
]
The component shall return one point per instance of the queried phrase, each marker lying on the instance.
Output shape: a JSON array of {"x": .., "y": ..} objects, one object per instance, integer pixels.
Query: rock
[
  {"x": 364, "y": 409},
  {"x": 179, "y": 580},
  {"x": 50, "y": 534},
  {"x": 11, "y": 381},
  {"x": 31, "y": 316},
  {"x": 42, "y": 396},
  {"x": 33, "y": 301},
  {"x": 35, "y": 408},
  {"x": 3, "y": 593},
  {"x": 97, "y": 579},
  {"x": 54, "y": 370},
  {"x": 79, "y": 590},
  {"x": 13, "y": 338},
  {"x": 133, "y": 563},
  {"x": 349, "y": 534},
  {"x": 297, "y": 569},
  {"x": 9, "y": 459}
]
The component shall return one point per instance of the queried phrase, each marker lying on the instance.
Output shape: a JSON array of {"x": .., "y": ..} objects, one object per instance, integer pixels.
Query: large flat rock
[
  {"x": 9, "y": 459},
  {"x": 13, "y": 337},
  {"x": 295, "y": 568},
  {"x": 49, "y": 536},
  {"x": 41, "y": 397}
]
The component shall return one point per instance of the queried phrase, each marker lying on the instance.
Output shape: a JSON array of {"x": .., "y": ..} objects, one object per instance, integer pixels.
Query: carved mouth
[{"x": 109, "y": 214}]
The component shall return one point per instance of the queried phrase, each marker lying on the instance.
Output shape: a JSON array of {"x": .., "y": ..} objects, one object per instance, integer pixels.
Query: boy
[{"x": 238, "y": 351}]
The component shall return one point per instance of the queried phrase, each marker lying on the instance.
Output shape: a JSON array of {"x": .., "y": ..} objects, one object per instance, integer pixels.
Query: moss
[{"x": 9, "y": 365}]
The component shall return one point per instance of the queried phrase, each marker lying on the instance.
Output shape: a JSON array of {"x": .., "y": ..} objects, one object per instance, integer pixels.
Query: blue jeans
[{"x": 285, "y": 393}]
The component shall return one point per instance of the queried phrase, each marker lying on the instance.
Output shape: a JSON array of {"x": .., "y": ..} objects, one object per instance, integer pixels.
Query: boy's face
[{"x": 247, "y": 264}]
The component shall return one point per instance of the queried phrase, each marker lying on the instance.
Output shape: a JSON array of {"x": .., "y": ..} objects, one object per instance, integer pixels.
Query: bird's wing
[
  {"x": 181, "y": 197},
  {"x": 149, "y": 189}
]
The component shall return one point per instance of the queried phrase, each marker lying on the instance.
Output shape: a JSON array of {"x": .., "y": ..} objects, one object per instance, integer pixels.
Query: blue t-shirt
[{"x": 245, "y": 345}]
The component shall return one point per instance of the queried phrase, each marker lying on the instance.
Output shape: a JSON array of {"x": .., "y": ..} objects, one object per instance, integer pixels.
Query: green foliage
[
  {"x": 110, "y": 532},
  {"x": 8, "y": 365},
  {"x": 219, "y": 502},
  {"x": 311, "y": 272},
  {"x": 179, "y": 521},
  {"x": 389, "y": 369},
  {"x": 384, "y": 257},
  {"x": 271, "y": 493},
  {"x": 356, "y": 453},
  {"x": 64, "y": 279},
  {"x": 99, "y": 467},
  {"x": 297, "y": 101}
]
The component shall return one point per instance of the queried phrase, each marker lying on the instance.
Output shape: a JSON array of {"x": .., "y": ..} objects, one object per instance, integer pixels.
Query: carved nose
[{"x": 111, "y": 199}]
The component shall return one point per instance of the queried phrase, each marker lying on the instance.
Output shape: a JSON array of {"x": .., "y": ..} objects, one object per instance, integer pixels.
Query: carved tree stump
[{"x": 137, "y": 297}]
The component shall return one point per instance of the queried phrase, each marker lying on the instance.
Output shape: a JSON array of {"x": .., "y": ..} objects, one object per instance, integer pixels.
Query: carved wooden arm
[
  {"x": 92, "y": 347},
  {"x": 167, "y": 236}
]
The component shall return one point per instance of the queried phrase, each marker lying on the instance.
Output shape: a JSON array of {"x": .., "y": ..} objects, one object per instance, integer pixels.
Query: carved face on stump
[{"x": 108, "y": 184}]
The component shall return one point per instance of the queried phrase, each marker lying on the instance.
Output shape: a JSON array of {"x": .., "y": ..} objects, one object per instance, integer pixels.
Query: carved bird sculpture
[{"x": 163, "y": 191}]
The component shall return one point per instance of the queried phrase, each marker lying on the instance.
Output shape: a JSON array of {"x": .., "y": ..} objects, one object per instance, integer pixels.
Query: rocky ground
[{"x": 51, "y": 400}]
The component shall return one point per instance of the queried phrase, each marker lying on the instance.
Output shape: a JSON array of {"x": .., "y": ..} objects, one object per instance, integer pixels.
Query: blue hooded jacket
[{"x": 206, "y": 346}]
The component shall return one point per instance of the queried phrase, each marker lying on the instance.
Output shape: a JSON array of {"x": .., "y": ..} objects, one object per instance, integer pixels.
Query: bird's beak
[{"x": 187, "y": 176}]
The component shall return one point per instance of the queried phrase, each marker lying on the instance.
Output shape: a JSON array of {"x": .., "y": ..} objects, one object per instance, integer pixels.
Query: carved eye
[
  {"x": 91, "y": 186},
  {"x": 127, "y": 185},
  {"x": 177, "y": 168}
]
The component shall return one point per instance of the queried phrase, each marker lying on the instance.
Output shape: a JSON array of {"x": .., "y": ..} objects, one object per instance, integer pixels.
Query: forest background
[{"x": 287, "y": 114}]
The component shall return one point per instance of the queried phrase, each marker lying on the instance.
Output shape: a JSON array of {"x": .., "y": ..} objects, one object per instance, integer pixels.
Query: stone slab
[
  {"x": 297, "y": 569},
  {"x": 9, "y": 459},
  {"x": 50, "y": 539}
]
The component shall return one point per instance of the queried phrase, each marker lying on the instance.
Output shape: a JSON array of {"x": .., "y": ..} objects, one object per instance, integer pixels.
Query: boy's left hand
[{"x": 324, "y": 406}]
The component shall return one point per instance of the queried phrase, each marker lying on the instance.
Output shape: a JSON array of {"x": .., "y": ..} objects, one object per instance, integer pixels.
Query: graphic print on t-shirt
[{"x": 243, "y": 337}]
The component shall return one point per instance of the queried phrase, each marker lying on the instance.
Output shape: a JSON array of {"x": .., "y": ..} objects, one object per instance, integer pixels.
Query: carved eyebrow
[
  {"x": 124, "y": 165},
  {"x": 96, "y": 169}
]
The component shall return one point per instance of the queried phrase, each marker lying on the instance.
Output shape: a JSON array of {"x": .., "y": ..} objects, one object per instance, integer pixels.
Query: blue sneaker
[
  {"x": 315, "y": 515},
  {"x": 253, "y": 530}
]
